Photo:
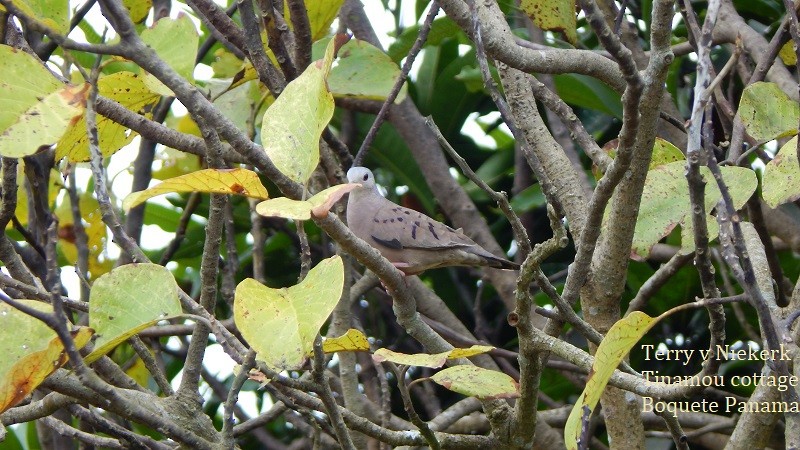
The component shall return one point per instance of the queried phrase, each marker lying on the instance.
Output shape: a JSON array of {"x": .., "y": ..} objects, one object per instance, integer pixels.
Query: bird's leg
[{"x": 402, "y": 267}]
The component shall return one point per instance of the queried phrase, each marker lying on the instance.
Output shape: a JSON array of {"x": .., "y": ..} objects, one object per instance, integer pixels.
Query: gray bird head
[{"x": 361, "y": 175}]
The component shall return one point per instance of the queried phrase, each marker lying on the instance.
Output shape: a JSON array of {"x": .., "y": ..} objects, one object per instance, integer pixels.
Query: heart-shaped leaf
[{"x": 281, "y": 324}]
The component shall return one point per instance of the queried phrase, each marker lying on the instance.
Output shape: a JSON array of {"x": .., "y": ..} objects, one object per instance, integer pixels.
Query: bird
[{"x": 410, "y": 240}]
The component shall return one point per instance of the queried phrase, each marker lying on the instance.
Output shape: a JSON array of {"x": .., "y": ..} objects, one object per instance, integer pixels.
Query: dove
[{"x": 410, "y": 240}]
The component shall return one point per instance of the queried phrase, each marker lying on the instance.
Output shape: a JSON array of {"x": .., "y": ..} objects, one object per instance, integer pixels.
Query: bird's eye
[{"x": 366, "y": 177}]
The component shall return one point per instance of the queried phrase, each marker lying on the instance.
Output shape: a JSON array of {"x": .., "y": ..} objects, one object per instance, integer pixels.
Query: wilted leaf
[
  {"x": 352, "y": 341},
  {"x": 781, "y": 181},
  {"x": 127, "y": 89},
  {"x": 617, "y": 343},
  {"x": 471, "y": 351},
  {"x": 129, "y": 299},
  {"x": 477, "y": 382},
  {"x": 318, "y": 205},
  {"x": 281, "y": 324},
  {"x": 553, "y": 15},
  {"x": 94, "y": 228},
  {"x": 418, "y": 359},
  {"x": 787, "y": 54},
  {"x": 218, "y": 181},
  {"x": 31, "y": 351},
  {"x": 37, "y": 108},
  {"x": 434, "y": 360},
  {"x": 767, "y": 112},
  {"x": 292, "y": 126}
]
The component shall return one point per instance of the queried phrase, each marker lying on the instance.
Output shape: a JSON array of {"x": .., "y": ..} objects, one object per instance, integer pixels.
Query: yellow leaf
[
  {"x": 617, "y": 343},
  {"x": 352, "y": 341},
  {"x": 218, "y": 181},
  {"x": 53, "y": 13},
  {"x": 281, "y": 324},
  {"x": 127, "y": 89},
  {"x": 787, "y": 54},
  {"x": 467, "y": 352},
  {"x": 94, "y": 228},
  {"x": 31, "y": 352},
  {"x": 318, "y": 205},
  {"x": 781, "y": 181},
  {"x": 292, "y": 126},
  {"x": 477, "y": 382},
  {"x": 37, "y": 108}
]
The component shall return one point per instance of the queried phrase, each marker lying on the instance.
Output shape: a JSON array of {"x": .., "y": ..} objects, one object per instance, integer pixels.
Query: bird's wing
[{"x": 396, "y": 227}]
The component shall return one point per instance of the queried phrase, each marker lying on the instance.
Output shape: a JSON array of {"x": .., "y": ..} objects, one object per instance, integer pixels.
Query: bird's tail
[{"x": 500, "y": 263}]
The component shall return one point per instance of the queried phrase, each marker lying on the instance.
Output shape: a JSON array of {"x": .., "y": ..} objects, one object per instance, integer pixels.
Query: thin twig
[
  {"x": 412, "y": 55},
  {"x": 233, "y": 397},
  {"x": 320, "y": 377},
  {"x": 520, "y": 235},
  {"x": 400, "y": 374}
]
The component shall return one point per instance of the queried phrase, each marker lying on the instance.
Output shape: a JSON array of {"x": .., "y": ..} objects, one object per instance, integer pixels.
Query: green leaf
[
  {"x": 292, "y": 125},
  {"x": 665, "y": 202},
  {"x": 618, "y": 342},
  {"x": 767, "y": 112},
  {"x": 12, "y": 441},
  {"x": 441, "y": 29},
  {"x": 321, "y": 14},
  {"x": 362, "y": 71},
  {"x": 477, "y": 382},
  {"x": 317, "y": 206},
  {"x": 781, "y": 181},
  {"x": 175, "y": 42},
  {"x": 37, "y": 108},
  {"x": 281, "y": 324},
  {"x": 589, "y": 93},
  {"x": 53, "y": 13},
  {"x": 237, "y": 103},
  {"x": 129, "y": 299},
  {"x": 218, "y": 181},
  {"x": 225, "y": 64},
  {"x": 127, "y": 89},
  {"x": 138, "y": 9},
  {"x": 553, "y": 15},
  {"x": 31, "y": 351},
  {"x": 530, "y": 198}
]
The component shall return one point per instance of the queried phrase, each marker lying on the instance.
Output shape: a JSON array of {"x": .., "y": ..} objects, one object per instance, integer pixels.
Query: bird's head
[{"x": 362, "y": 176}]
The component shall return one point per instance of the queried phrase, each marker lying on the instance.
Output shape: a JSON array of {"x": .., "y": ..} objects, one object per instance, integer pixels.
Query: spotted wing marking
[{"x": 393, "y": 243}]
